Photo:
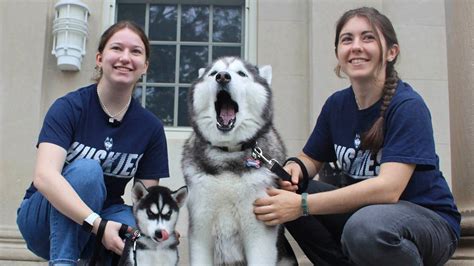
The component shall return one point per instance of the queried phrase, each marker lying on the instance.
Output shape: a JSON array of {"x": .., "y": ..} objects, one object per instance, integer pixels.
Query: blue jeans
[
  {"x": 53, "y": 236},
  {"x": 383, "y": 234}
]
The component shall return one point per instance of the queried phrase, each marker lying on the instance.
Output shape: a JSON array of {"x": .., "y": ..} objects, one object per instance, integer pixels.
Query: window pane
[
  {"x": 163, "y": 22},
  {"x": 192, "y": 58},
  {"x": 195, "y": 23},
  {"x": 162, "y": 62},
  {"x": 133, "y": 12},
  {"x": 220, "y": 51},
  {"x": 181, "y": 38},
  {"x": 183, "y": 120},
  {"x": 227, "y": 24},
  {"x": 159, "y": 100}
]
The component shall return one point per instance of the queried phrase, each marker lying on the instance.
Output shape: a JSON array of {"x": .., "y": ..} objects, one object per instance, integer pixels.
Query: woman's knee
[
  {"x": 83, "y": 170},
  {"x": 365, "y": 231},
  {"x": 85, "y": 176},
  {"x": 373, "y": 234}
]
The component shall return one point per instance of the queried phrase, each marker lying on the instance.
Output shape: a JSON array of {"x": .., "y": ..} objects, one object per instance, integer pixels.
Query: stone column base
[{"x": 13, "y": 247}]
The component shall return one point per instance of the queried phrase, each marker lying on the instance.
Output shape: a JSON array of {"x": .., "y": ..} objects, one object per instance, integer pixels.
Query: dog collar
[
  {"x": 240, "y": 147},
  {"x": 230, "y": 148}
]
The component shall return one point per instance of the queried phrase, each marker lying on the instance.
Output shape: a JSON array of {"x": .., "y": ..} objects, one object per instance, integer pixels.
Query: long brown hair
[
  {"x": 114, "y": 29},
  {"x": 374, "y": 137}
]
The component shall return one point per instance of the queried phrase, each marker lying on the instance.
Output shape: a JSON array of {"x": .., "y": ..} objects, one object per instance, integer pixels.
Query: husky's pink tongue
[
  {"x": 164, "y": 235},
  {"x": 227, "y": 113}
]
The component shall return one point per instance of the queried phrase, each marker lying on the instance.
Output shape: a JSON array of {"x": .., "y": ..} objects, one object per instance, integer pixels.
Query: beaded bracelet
[{"x": 304, "y": 203}]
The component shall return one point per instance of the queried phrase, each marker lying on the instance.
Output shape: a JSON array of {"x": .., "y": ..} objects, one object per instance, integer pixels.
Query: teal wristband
[{"x": 304, "y": 203}]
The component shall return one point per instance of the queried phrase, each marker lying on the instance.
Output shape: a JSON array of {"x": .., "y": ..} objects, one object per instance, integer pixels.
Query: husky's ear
[
  {"x": 201, "y": 72},
  {"x": 180, "y": 195},
  {"x": 138, "y": 191},
  {"x": 266, "y": 73}
]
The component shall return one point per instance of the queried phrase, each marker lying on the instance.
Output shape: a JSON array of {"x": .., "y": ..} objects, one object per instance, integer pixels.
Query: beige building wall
[
  {"x": 22, "y": 49},
  {"x": 283, "y": 43},
  {"x": 294, "y": 36}
]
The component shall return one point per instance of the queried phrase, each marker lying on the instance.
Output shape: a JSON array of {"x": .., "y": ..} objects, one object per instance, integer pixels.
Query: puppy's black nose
[
  {"x": 158, "y": 234},
  {"x": 223, "y": 78}
]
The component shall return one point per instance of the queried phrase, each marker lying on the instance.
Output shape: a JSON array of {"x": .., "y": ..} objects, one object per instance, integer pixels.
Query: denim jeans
[
  {"x": 53, "y": 236},
  {"x": 383, "y": 234}
]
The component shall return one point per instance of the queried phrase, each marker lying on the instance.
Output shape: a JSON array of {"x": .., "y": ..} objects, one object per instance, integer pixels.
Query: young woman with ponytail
[{"x": 398, "y": 209}]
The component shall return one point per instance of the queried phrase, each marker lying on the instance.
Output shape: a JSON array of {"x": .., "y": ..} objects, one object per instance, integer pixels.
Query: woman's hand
[
  {"x": 279, "y": 207},
  {"x": 111, "y": 239},
  {"x": 295, "y": 171}
]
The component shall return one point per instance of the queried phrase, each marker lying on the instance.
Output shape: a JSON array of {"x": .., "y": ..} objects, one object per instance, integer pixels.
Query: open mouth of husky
[{"x": 226, "y": 109}]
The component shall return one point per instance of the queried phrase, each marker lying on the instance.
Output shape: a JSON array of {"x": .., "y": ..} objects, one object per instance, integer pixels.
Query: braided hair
[{"x": 373, "y": 138}]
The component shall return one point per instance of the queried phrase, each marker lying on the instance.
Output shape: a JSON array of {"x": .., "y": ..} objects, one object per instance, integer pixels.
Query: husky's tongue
[
  {"x": 164, "y": 235},
  {"x": 227, "y": 114},
  {"x": 161, "y": 235}
]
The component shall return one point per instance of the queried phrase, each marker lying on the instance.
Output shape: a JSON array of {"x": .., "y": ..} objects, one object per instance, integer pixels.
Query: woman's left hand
[{"x": 279, "y": 207}]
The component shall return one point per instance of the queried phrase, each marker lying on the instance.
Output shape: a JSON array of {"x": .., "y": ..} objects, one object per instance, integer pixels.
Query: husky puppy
[
  {"x": 230, "y": 108},
  {"x": 156, "y": 212}
]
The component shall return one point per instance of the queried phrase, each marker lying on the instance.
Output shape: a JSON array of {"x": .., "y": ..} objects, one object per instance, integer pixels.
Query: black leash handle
[
  {"x": 303, "y": 185},
  {"x": 123, "y": 231},
  {"x": 276, "y": 168},
  {"x": 98, "y": 242}
]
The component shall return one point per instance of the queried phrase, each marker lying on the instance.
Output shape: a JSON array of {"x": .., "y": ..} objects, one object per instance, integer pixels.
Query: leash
[
  {"x": 98, "y": 243},
  {"x": 275, "y": 167},
  {"x": 135, "y": 236}
]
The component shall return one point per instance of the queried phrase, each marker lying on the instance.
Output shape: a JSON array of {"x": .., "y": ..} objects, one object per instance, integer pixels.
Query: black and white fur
[
  {"x": 156, "y": 211},
  {"x": 230, "y": 108}
]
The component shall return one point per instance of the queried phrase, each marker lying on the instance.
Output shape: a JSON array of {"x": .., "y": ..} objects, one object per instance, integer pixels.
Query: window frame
[{"x": 250, "y": 38}]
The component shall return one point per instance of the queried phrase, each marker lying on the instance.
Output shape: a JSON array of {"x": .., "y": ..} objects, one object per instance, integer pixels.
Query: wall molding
[
  {"x": 13, "y": 247},
  {"x": 467, "y": 223}
]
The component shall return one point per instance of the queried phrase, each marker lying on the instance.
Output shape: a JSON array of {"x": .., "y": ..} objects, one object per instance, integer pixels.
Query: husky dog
[
  {"x": 230, "y": 108},
  {"x": 156, "y": 212}
]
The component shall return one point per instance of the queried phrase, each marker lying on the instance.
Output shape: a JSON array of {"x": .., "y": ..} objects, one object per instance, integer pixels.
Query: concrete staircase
[{"x": 28, "y": 259}]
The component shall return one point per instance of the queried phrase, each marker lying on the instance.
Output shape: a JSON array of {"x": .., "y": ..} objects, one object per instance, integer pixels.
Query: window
[{"x": 184, "y": 36}]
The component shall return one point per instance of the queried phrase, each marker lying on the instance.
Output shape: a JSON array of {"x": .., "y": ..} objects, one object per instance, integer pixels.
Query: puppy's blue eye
[
  {"x": 213, "y": 73},
  {"x": 242, "y": 74}
]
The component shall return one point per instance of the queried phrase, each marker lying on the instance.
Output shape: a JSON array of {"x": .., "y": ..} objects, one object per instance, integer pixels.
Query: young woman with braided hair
[{"x": 397, "y": 209}]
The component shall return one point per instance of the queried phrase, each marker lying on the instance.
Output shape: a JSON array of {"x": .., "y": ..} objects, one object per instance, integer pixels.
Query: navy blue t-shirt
[
  {"x": 135, "y": 148},
  {"x": 408, "y": 138}
]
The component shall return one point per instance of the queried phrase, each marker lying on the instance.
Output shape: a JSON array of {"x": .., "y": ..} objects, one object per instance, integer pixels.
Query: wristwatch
[{"x": 88, "y": 223}]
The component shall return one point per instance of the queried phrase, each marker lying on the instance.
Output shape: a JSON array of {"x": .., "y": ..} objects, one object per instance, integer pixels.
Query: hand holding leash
[
  {"x": 109, "y": 235},
  {"x": 275, "y": 167},
  {"x": 303, "y": 185}
]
